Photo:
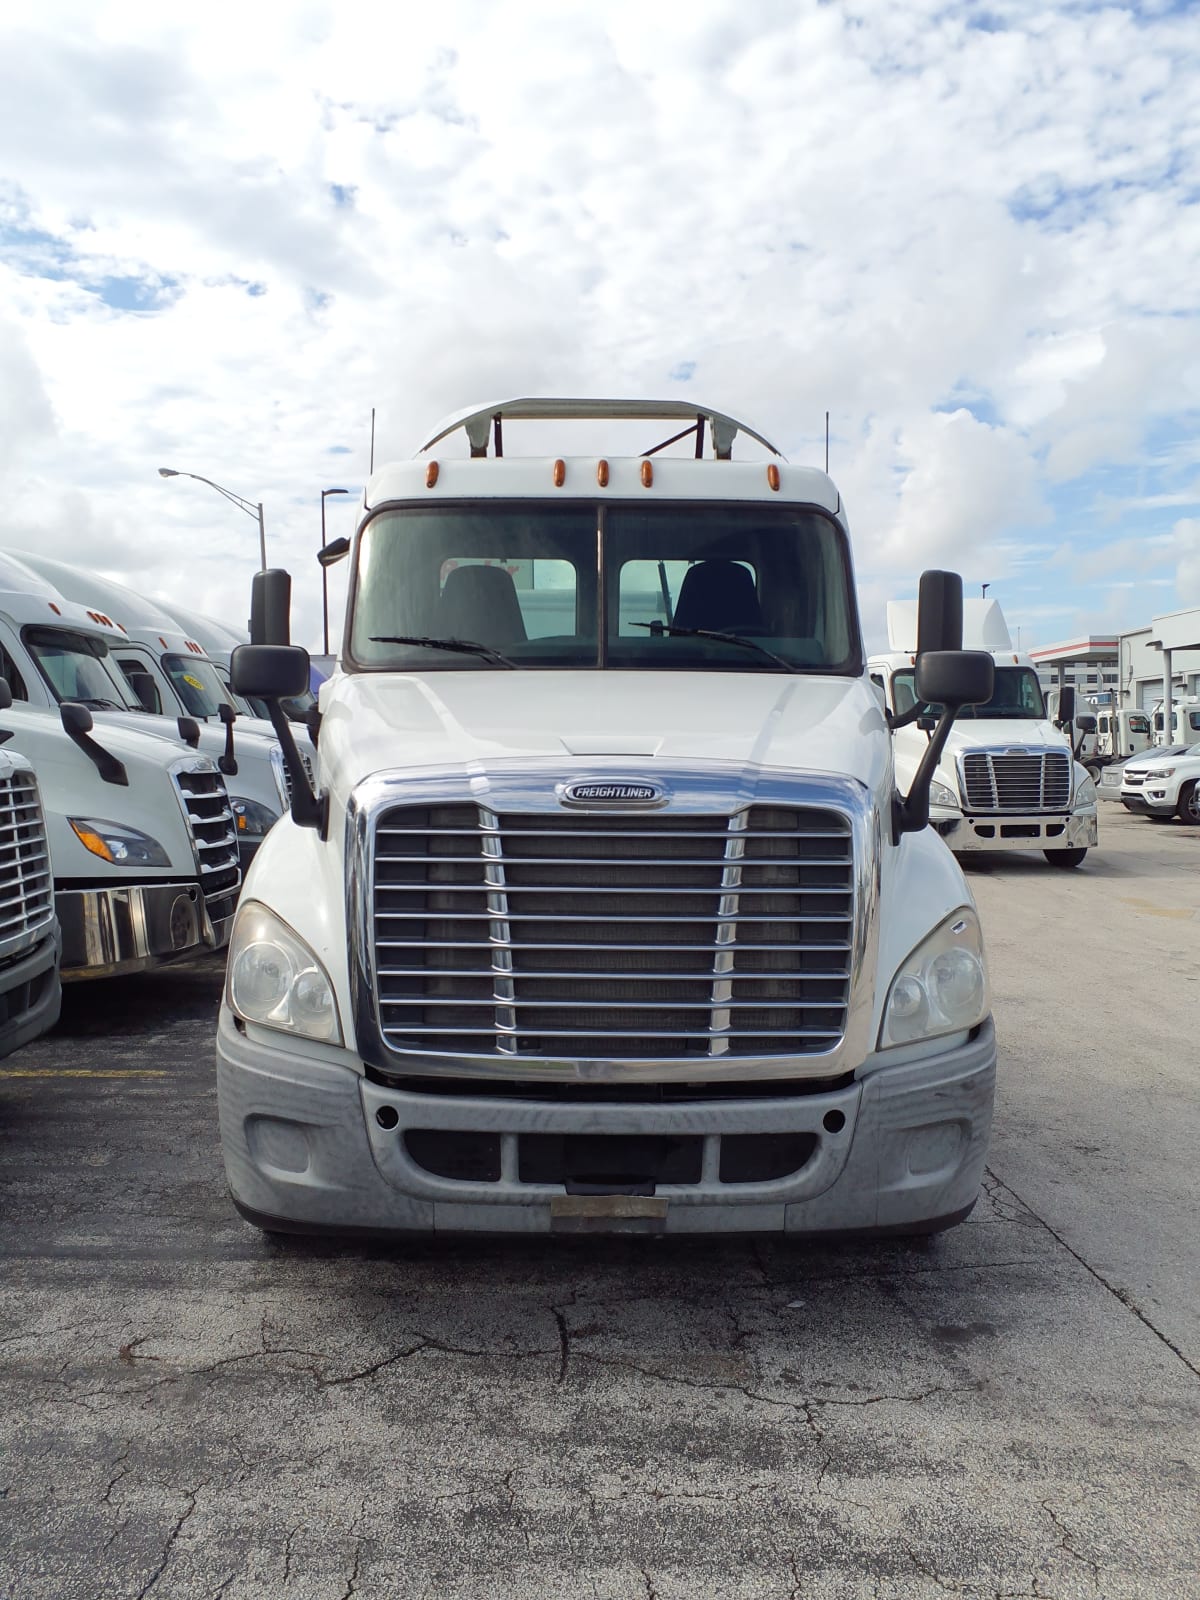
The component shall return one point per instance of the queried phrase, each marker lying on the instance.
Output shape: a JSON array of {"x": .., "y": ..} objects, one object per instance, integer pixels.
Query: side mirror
[
  {"x": 269, "y": 671},
  {"x": 189, "y": 731},
  {"x": 144, "y": 686},
  {"x": 336, "y": 550},
  {"x": 1066, "y": 705},
  {"x": 955, "y": 678},
  {"x": 1086, "y": 724},
  {"x": 940, "y": 613},
  {"x": 77, "y": 724},
  {"x": 5, "y": 695},
  {"x": 76, "y": 719},
  {"x": 271, "y": 608}
]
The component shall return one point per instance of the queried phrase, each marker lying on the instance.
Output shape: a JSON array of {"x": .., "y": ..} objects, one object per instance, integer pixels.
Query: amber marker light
[
  {"x": 602, "y": 474},
  {"x": 772, "y": 475},
  {"x": 560, "y": 474},
  {"x": 431, "y": 474},
  {"x": 647, "y": 473}
]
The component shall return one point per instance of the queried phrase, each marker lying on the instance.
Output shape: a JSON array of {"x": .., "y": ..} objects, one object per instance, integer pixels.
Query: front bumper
[
  {"x": 311, "y": 1146},
  {"x": 108, "y": 932},
  {"x": 30, "y": 994},
  {"x": 1145, "y": 805},
  {"x": 1076, "y": 830}
]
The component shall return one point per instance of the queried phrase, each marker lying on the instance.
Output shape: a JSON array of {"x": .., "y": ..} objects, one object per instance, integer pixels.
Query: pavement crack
[
  {"x": 376, "y": 1366},
  {"x": 564, "y": 1342},
  {"x": 127, "y": 1352},
  {"x": 352, "y": 1581},
  {"x": 1067, "y": 1542},
  {"x": 1123, "y": 1295},
  {"x": 169, "y": 1546},
  {"x": 651, "y": 1591}
]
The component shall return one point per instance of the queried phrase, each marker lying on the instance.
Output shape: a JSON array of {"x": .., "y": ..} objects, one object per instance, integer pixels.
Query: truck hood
[
  {"x": 989, "y": 733},
  {"x": 375, "y": 722}
]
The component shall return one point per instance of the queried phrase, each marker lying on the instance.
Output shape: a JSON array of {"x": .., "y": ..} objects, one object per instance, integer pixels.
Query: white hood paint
[{"x": 375, "y": 723}]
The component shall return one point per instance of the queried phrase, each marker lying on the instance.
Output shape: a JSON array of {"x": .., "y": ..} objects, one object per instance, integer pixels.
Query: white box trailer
[
  {"x": 608, "y": 913},
  {"x": 1007, "y": 778}
]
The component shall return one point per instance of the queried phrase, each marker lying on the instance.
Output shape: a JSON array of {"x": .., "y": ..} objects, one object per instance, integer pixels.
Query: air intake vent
[
  {"x": 210, "y": 822},
  {"x": 594, "y": 936},
  {"x": 26, "y": 885},
  {"x": 1027, "y": 781}
]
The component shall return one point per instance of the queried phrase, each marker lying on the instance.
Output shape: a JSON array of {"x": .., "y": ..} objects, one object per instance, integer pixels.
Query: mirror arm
[
  {"x": 910, "y": 812},
  {"x": 105, "y": 763},
  {"x": 227, "y": 761},
  {"x": 308, "y": 810},
  {"x": 903, "y": 718}
]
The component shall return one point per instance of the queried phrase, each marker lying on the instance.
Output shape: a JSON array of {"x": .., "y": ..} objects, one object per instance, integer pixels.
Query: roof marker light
[
  {"x": 602, "y": 474},
  {"x": 772, "y": 475},
  {"x": 647, "y": 473},
  {"x": 560, "y": 473},
  {"x": 431, "y": 474}
]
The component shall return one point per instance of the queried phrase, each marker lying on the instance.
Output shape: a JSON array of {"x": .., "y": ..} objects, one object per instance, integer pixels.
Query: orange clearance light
[
  {"x": 54, "y": 608},
  {"x": 772, "y": 475},
  {"x": 559, "y": 474},
  {"x": 431, "y": 474},
  {"x": 602, "y": 474},
  {"x": 647, "y": 473},
  {"x": 163, "y": 642}
]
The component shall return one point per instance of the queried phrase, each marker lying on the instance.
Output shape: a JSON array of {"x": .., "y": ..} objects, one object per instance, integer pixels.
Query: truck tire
[
  {"x": 1094, "y": 769},
  {"x": 1189, "y": 803},
  {"x": 1065, "y": 858}
]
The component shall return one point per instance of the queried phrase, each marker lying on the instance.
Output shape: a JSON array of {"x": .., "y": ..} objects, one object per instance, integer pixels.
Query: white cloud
[{"x": 879, "y": 210}]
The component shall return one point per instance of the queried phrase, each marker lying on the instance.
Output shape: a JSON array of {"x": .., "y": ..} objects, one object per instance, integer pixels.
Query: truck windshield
[
  {"x": 578, "y": 585},
  {"x": 1017, "y": 695},
  {"x": 196, "y": 684},
  {"x": 77, "y": 666}
]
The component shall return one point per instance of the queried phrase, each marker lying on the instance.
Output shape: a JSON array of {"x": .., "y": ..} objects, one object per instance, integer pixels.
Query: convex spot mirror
[
  {"x": 269, "y": 671},
  {"x": 955, "y": 678}
]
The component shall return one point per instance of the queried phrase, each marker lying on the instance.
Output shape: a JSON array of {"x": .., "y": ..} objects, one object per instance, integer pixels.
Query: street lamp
[
  {"x": 247, "y": 506},
  {"x": 325, "y": 493}
]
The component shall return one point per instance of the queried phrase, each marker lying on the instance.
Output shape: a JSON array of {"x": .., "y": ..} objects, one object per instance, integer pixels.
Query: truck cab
[
  {"x": 1185, "y": 724},
  {"x": 607, "y": 913},
  {"x": 1008, "y": 778}
]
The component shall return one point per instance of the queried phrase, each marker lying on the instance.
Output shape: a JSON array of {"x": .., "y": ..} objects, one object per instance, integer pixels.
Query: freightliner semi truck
[{"x": 606, "y": 911}]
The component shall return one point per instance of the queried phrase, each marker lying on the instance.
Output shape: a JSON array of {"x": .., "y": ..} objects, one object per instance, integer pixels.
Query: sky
[{"x": 970, "y": 232}]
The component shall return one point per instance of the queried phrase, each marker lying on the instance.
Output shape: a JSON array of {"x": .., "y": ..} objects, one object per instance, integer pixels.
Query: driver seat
[
  {"x": 719, "y": 596},
  {"x": 480, "y": 603}
]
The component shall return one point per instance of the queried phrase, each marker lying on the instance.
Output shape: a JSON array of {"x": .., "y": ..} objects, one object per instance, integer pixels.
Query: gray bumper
[
  {"x": 964, "y": 834},
  {"x": 107, "y": 932},
  {"x": 901, "y": 1147}
]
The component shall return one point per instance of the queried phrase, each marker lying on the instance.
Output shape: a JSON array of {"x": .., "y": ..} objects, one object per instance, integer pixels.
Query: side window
[
  {"x": 8, "y": 669},
  {"x": 1194, "y": 721}
]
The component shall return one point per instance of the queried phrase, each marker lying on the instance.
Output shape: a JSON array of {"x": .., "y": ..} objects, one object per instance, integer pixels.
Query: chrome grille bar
[
  {"x": 26, "y": 886},
  {"x": 1028, "y": 781}
]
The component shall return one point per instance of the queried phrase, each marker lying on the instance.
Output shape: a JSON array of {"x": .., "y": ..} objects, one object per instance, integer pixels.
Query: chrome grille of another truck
[
  {"x": 604, "y": 936},
  {"x": 26, "y": 885},
  {"x": 1026, "y": 781},
  {"x": 206, "y": 807}
]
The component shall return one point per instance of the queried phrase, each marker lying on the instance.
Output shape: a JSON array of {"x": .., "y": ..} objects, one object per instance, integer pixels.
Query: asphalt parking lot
[{"x": 192, "y": 1410}]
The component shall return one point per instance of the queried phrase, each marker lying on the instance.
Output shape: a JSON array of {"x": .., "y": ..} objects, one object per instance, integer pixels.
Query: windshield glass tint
[
  {"x": 77, "y": 667},
  {"x": 532, "y": 581},
  {"x": 196, "y": 684},
  {"x": 1016, "y": 695}
]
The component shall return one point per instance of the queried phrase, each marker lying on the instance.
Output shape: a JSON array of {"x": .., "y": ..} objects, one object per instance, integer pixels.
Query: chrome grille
[
  {"x": 206, "y": 807},
  {"x": 1000, "y": 780},
  {"x": 585, "y": 935},
  {"x": 26, "y": 883}
]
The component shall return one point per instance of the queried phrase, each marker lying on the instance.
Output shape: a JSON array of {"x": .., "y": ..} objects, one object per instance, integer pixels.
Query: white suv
[{"x": 1164, "y": 785}]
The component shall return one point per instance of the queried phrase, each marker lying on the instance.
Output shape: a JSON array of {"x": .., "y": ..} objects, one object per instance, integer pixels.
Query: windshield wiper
[
  {"x": 96, "y": 704},
  {"x": 656, "y": 627},
  {"x": 466, "y": 647}
]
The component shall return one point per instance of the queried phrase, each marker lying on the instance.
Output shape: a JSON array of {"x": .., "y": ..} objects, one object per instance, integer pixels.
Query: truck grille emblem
[{"x": 612, "y": 792}]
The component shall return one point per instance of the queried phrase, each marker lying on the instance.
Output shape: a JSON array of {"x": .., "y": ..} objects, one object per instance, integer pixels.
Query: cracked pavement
[{"x": 190, "y": 1410}]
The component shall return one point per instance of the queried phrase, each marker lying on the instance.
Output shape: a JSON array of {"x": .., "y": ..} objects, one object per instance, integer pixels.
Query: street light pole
[
  {"x": 251, "y": 508},
  {"x": 324, "y": 570}
]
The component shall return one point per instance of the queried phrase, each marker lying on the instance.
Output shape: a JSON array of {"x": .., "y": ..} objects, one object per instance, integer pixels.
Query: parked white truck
[
  {"x": 1007, "y": 778},
  {"x": 54, "y": 647},
  {"x": 30, "y": 942},
  {"x": 1185, "y": 724},
  {"x": 141, "y": 840},
  {"x": 608, "y": 913}
]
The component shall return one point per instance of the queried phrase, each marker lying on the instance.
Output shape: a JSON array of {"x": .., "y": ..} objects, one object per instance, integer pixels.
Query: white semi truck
[
  {"x": 143, "y": 674},
  {"x": 30, "y": 942},
  {"x": 608, "y": 913},
  {"x": 1007, "y": 778},
  {"x": 141, "y": 840}
]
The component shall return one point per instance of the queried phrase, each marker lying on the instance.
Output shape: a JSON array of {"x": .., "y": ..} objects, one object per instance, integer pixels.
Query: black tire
[
  {"x": 1065, "y": 858},
  {"x": 1189, "y": 804}
]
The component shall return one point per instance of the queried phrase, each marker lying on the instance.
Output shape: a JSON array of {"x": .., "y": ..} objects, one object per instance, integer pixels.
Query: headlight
[
  {"x": 1159, "y": 772},
  {"x": 1085, "y": 794},
  {"x": 251, "y": 819},
  {"x": 940, "y": 795},
  {"x": 942, "y": 987},
  {"x": 275, "y": 979},
  {"x": 117, "y": 842}
]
